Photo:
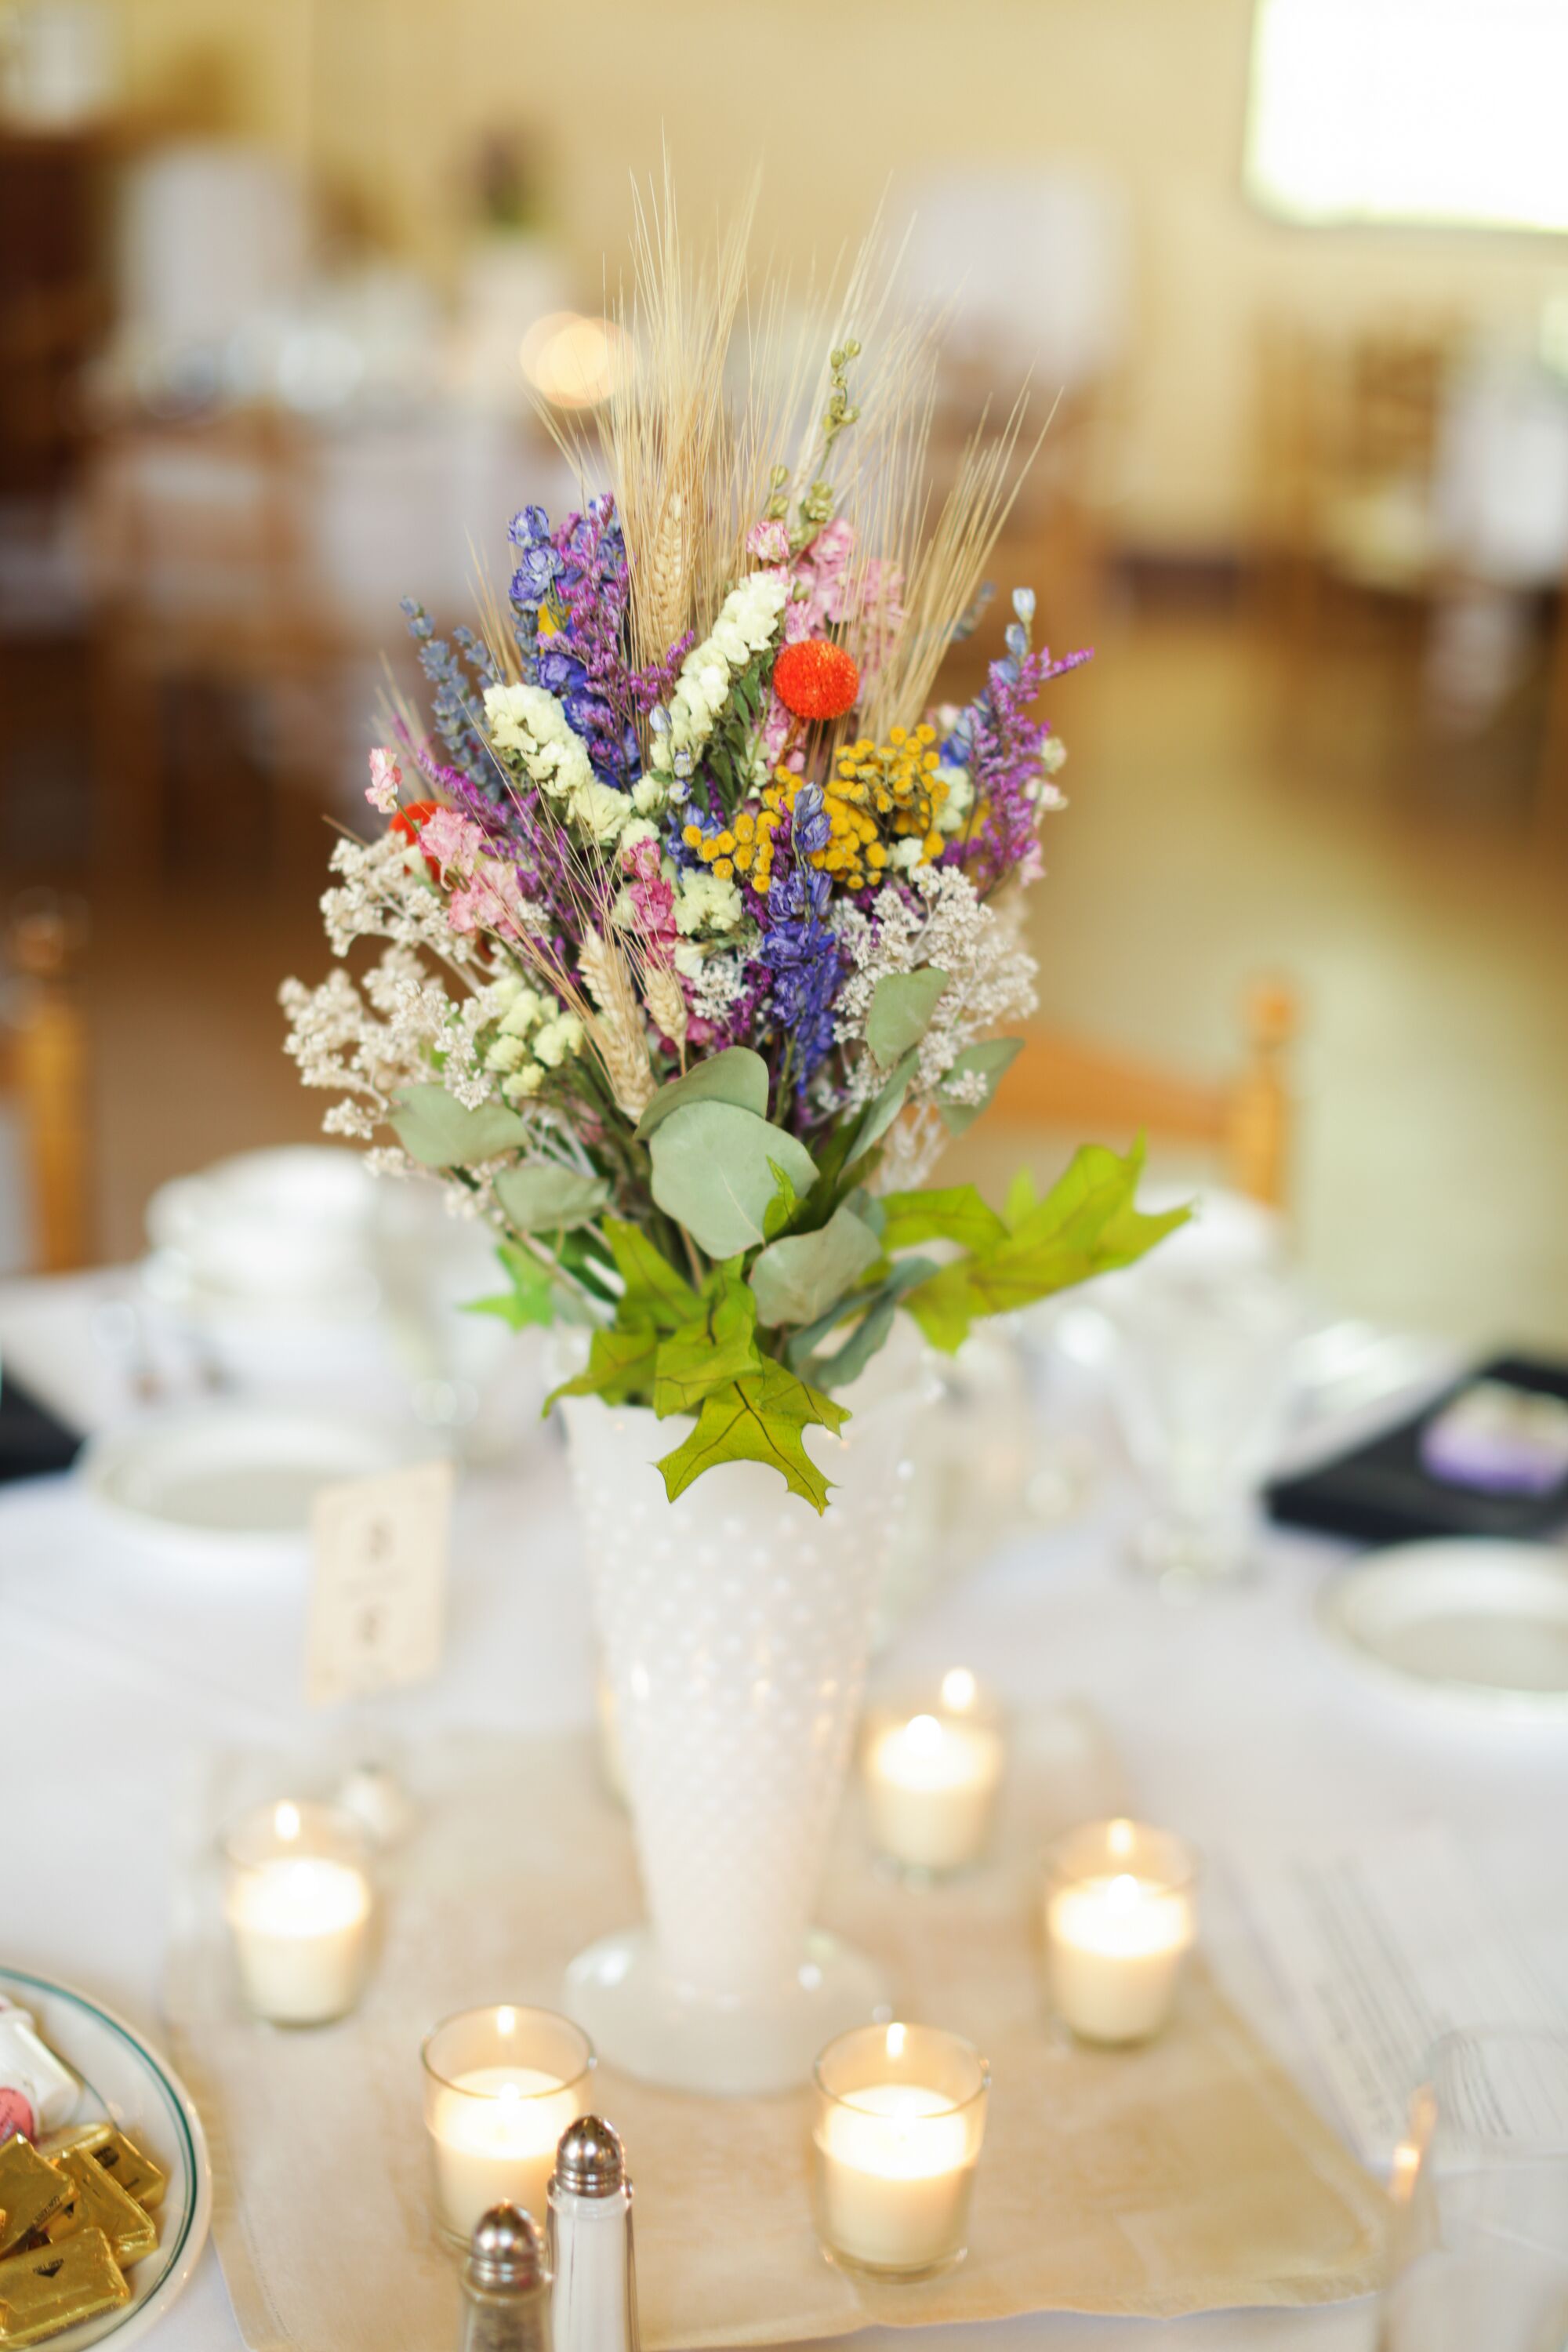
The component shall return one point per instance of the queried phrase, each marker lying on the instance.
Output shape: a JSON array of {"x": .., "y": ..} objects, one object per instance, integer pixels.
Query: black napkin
[{"x": 32, "y": 1442}]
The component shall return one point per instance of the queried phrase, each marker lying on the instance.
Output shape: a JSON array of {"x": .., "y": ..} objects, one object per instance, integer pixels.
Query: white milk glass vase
[{"x": 735, "y": 1624}]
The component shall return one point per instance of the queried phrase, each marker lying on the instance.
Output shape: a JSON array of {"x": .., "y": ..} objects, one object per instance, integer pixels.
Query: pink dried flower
[{"x": 385, "y": 780}]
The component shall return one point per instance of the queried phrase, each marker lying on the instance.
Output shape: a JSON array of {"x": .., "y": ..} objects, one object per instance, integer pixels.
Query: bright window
[{"x": 1437, "y": 111}]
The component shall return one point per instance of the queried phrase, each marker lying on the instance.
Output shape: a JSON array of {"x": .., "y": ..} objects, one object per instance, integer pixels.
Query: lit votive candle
[
  {"x": 500, "y": 2086},
  {"x": 299, "y": 1902},
  {"x": 898, "y": 2114},
  {"x": 1121, "y": 1916},
  {"x": 932, "y": 1768}
]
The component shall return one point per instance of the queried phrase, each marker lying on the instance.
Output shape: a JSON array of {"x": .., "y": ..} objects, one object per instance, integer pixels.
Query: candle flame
[
  {"x": 1119, "y": 1838},
  {"x": 286, "y": 1822},
  {"x": 895, "y": 2041},
  {"x": 958, "y": 1689},
  {"x": 511, "y": 2092},
  {"x": 1123, "y": 1892},
  {"x": 923, "y": 1734},
  {"x": 506, "y": 2021}
]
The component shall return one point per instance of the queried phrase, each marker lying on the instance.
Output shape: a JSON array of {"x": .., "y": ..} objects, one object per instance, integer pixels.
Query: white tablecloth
[{"x": 123, "y": 1670}]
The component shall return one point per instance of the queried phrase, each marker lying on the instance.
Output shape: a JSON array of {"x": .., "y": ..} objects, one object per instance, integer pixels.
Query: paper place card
[
  {"x": 1381, "y": 1944},
  {"x": 378, "y": 1593}
]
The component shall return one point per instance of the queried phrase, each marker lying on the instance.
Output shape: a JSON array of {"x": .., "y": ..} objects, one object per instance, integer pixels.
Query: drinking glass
[
  {"x": 1479, "y": 2249},
  {"x": 1201, "y": 1374}
]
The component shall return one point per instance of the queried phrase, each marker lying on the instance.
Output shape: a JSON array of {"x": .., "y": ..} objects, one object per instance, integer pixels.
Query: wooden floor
[{"x": 1221, "y": 822}]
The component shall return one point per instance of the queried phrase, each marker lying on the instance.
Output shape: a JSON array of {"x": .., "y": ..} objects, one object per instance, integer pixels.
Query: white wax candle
[
  {"x": 1116, "y": 1947},
  {"x": 494, "y": 2133},
  {"x": 931, "y": 1786},
  {"x": 300, "y": 1926},
  {"x": 896, "y": 2176}
]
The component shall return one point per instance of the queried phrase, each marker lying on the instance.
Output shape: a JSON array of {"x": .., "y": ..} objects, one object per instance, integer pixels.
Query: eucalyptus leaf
[
  {"x": 801, "y": 1352},
  {"x": 901, "y": 1005},
  {"x": 549, "y": 1199},
  {"x": 988, "y": 1062},
  {"x": 713, "y": 1172},
  {"x": 439, "y": 1131},
  {"x": 736, "y": 1075},
  {"x": 884, "y": 1109},
  {"x": 795, "y": 1279}
]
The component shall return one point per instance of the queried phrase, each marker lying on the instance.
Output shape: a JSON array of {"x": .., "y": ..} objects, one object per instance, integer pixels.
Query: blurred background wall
[
  {"x": 278, "y": 279},
  {"x": 388, "y": 103}
]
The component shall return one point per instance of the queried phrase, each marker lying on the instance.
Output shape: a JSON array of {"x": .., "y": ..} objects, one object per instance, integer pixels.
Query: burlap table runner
[{"x": 1187, "y": 2176}]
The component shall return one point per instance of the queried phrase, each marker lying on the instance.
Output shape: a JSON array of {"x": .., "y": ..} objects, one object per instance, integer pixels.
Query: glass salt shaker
[{"x": 506, "y": 2286}]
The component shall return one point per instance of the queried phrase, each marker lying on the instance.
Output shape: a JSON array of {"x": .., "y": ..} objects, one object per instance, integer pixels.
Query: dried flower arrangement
[{"x": 699, "y": 924}]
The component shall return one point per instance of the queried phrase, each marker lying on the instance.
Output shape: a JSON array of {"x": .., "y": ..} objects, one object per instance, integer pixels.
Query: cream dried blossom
[{"x": 991, "y": 974}]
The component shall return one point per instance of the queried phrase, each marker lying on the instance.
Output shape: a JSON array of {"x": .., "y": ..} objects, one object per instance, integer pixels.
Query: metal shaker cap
[
  {"x": 589, "y": 2160},
  {"x": 506, "y": 2250}
]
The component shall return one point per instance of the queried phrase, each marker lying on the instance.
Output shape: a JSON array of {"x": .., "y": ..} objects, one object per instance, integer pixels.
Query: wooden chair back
[
  {"x": 1245, "y": 1120},
  {"x": 43, "y": 1074}
]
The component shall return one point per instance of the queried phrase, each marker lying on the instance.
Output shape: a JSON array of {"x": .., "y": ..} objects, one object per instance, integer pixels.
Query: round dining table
[{"x": 1233, "y": 1719}]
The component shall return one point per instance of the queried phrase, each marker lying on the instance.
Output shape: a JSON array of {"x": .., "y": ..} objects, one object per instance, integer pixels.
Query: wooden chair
[
  {"x": 43, "y": 1073},
  {"x": 1064, "y": 1081}
]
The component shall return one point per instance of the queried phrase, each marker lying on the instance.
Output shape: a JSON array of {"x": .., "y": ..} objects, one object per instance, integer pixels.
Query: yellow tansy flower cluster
[
  {"x": 879, "y": 793},
  {"x": 744, "y": 846}
]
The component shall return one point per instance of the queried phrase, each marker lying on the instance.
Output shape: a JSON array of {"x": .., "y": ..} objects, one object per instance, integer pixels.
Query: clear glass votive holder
[
  {"x": 931, "y": 1764},
  {"x": 898, "y": 2118},
  {"x": 500, "y": 2086},
  {"x": 1121, "y": 1916},
  {"x": 300, "y": 1900}
]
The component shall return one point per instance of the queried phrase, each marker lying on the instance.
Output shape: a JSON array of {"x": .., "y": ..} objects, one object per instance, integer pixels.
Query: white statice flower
[
  {"x": 951, "y": 816},
  {"x": 527, "y": 1009},
  {"x": 558, "y": 1038},
  {"x": 747, "y": 623},
  {"x": 522, "y": 1083},
  {"x": 598, "y": 811},
  {"x": 505, "y": 1055},
  {"x": 1053, "y": 755},
  {"x": 704, "y": 903},
  {"x": 530, "y": 730},
  {"x": 990, "y": 975},
  {"x": 637, "y": 830},
  {"x": 650, "y": 794}
]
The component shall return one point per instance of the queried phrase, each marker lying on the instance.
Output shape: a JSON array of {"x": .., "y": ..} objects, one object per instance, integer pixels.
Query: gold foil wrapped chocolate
[
  {"x": 31, "y": 2192},
  {"x": 56, "y": 2287},
  {"x": 97, "y": 2202},
  {"x": 124, "y": 2162}
]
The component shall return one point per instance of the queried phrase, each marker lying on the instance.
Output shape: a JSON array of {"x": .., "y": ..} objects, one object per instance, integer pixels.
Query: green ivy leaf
[
  {"x": 736, "y": 1075},
  {"x": 439, "y": 1131},
  {"x": 714, "y": 1166},
  {"x": 955, "y": 1214},
  {"x": 533, "y": 1297},
  {"x": 795, "y": 1279},
  {"x": 988, "y": 1062},
  {"x": 1087, "y": 1223},
  {"x": 901, "y": 1005},
  {"x": 762, "y": 1417},
  {"x": 655, "y": 1293},
  {"x": 621, "y": 1366},
  {"x": 549, "y": 1199},
  {"x": 718, "y": 1346}
]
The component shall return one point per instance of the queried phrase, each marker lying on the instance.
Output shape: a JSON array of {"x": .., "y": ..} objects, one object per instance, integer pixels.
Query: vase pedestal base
[{"x": 645, "y": 2021}]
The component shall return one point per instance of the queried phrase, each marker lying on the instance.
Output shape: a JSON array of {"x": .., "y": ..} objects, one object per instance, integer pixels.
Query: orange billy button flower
[
  {"x": 816, "y": 679},
  {"x": 410, "y": 823}
]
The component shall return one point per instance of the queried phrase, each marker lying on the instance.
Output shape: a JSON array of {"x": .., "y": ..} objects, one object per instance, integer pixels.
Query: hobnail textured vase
[{"x": 735, "y": 1625}]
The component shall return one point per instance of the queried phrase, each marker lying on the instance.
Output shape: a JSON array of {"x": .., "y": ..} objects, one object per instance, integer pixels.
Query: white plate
[
  {"x": 236, "y": 1477},
  {"x": 1482, "y": 1623},
  {"x": 127, "y": 2082}
]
